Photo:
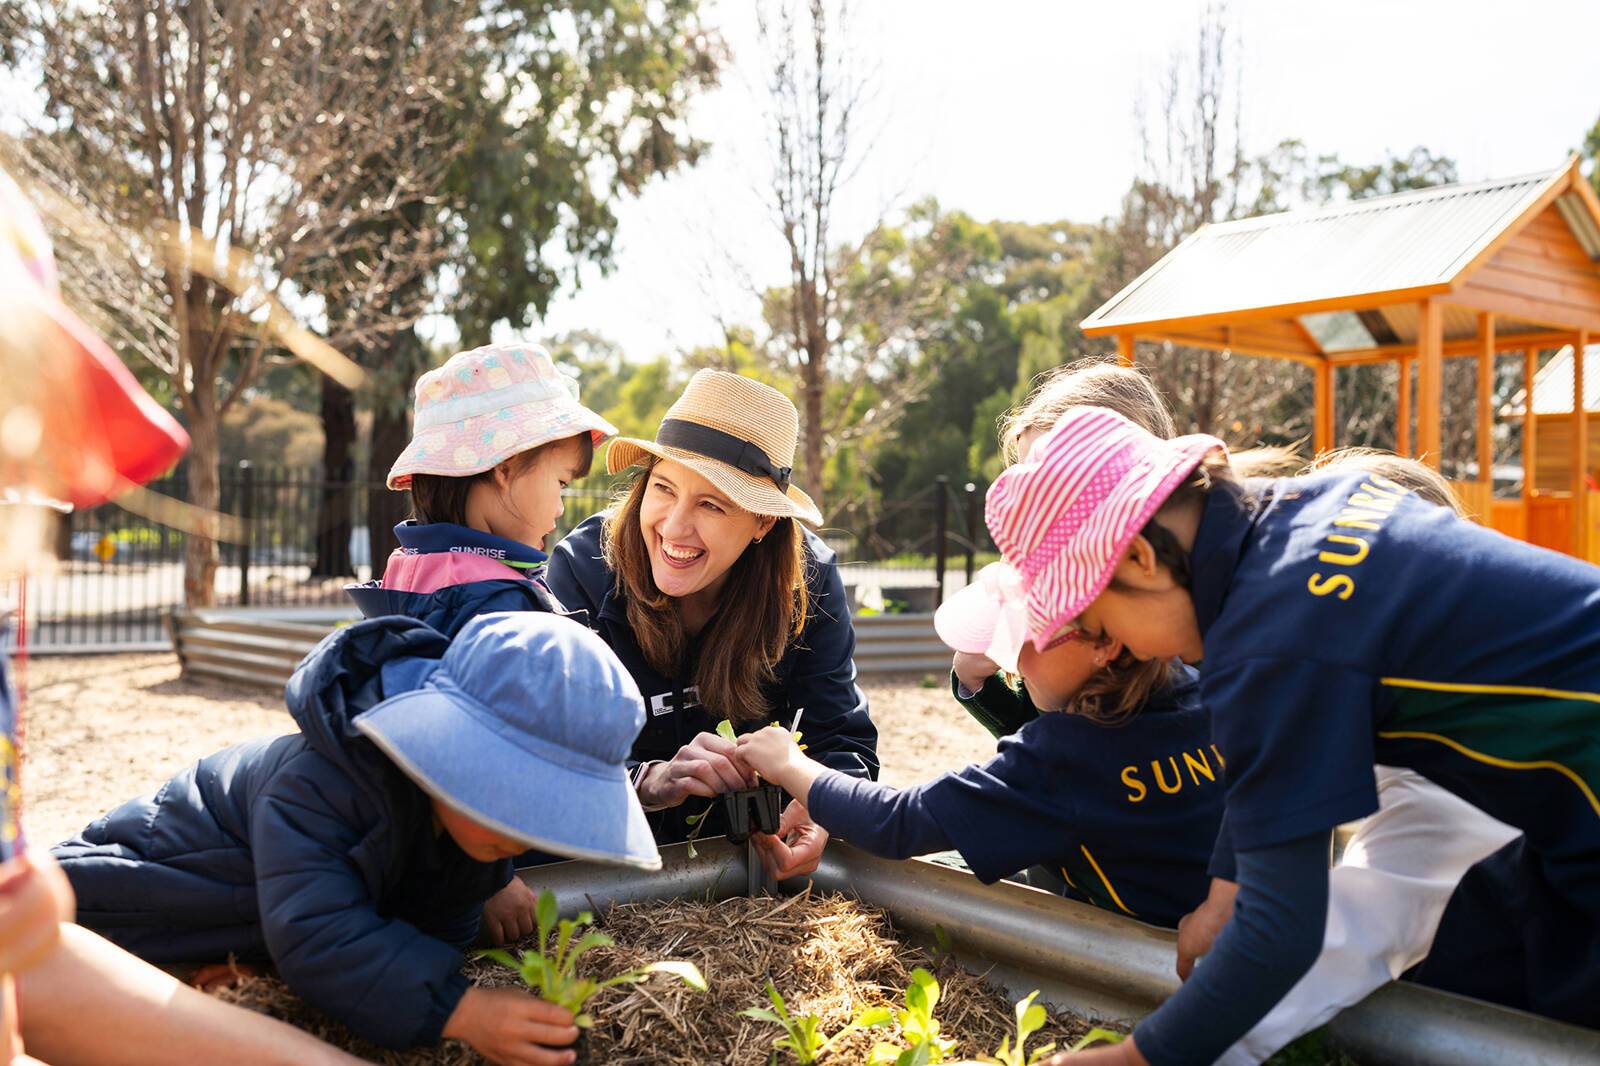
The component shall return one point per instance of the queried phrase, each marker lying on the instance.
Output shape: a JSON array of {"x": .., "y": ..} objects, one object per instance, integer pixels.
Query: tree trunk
[
  {"x": 391, "y": 430},
  {"x": 812, "y": 388},
  {"x": 333, "y": 504},
  {"x": 199, "y": 550}
]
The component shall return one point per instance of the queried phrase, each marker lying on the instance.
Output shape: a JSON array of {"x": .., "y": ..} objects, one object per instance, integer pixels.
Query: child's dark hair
[
  {"x": 1214, "y": 474},
  {"x": 439, "y": 498}
]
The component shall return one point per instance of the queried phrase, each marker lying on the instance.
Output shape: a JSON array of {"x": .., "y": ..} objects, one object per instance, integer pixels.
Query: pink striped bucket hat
[
  {"x": 484, "y": 406},
  {"x": 1062, "y": 519}
]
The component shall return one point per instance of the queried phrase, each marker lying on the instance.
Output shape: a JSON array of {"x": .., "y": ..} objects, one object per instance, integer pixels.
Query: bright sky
[{"x": 1025, "y": 110}]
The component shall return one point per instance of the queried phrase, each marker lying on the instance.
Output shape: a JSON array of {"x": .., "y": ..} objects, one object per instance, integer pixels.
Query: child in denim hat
[
  {"x": 356, "y": 854},
  {"x": 498, "y": 433}
]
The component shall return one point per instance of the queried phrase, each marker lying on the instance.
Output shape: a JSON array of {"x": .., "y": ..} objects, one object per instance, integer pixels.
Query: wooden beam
[
  {"x": 1322, "y": 421},
  {"x": 1502, "y": 341},
  {"x": 1125, "y": 354},
  {"x": 1402, "y": 422},
  {"x": 1430, "y": 380},
  {"x": 1580, "y": 452},
  {"x": 1530, "y": 432},
  {"x": 1485, "y": 396},
  {"x": 1356, "y": 301}
]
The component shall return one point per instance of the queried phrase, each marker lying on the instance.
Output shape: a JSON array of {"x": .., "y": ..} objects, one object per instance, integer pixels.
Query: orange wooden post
[
  {"x": 1125, "y": 349},
  {"x": 1430, "y": 380},
  {"x": 1485, "y": 395},
  {"x": 1402, "y": 427},
  {"x": 1322, "y": 420},
  {"x": 1530, "y": 426},
  {"x": 1580, "y": 452}
]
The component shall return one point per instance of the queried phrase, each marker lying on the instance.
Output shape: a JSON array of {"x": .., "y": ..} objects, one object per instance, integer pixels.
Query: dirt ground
[{"x": 103, "y": 729}]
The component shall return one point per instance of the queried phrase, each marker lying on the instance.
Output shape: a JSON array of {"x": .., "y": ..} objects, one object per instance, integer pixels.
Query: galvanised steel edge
[{"x": 1082, "y": 958}]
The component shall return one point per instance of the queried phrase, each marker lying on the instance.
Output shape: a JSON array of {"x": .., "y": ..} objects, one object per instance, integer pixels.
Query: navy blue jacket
[
  {"x": 312, "y": 850},
  {"x": 817, "y": 672},
  {"x": 1127, "y": 813}
]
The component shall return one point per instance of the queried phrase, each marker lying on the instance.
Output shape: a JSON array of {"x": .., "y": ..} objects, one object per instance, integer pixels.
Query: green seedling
[
  {"x": 725, "y": 730},
  {"x": 1098, "y": 1036},
  {"x": 696, "y": 822},
  {"x": 803, "y": 1036},
  {"x": 550, "y": 967},
  {"x": 1030, "y": 1019},
  {"x": 918, "y": 1027}
]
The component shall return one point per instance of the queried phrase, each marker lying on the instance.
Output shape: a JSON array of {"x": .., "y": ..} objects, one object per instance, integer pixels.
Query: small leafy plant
[
  {"x": 1098, "y": 1036},
  {"x": 803, "y": 1036},
  {"x": 550, "y": 967},
  {"x": 1030, "y": 1019},
  {"x": 918, "y": 1027}
]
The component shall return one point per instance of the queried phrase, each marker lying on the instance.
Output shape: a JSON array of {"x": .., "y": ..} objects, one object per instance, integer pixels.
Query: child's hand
[
  {"x": 510, "y": 913},
  {"x": 771, "y": 752},
  {"x": 972, "y": 670},
  {"x": 34, "y": 900},
  {"x": 1199, "y": 929},
  {"x": 511, "y": 1028}
]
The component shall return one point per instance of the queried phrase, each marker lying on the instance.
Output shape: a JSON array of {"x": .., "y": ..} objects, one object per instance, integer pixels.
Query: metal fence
[{"x": 307, "y": 535}]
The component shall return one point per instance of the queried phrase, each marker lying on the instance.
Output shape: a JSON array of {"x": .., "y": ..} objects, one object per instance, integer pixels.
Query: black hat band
[{"x": 724, "y": 448}]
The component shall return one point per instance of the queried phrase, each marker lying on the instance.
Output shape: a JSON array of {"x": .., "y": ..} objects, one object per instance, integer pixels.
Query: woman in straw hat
[{"x": 722, "y": 606}]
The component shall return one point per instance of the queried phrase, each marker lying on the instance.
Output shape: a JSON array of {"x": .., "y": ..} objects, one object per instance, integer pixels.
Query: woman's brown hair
[
  {"x": 764, "y": 611},
  {"x": 439, "y": 498}
]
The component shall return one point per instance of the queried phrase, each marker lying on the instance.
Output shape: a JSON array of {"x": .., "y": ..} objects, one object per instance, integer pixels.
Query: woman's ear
[
  {"x": 764, "y": 526},
  {"x": 1111, "y": 647}
]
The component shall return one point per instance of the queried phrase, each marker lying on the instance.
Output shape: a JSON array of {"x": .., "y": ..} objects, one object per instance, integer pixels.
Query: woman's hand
[
  {"x": 511, "y": 913},
  {"x": 972, "y": 670},
  {"x": 796, "y": 849},
  {"x": 511, "y": 1028},
  {"x": 706, "y": 766},
  {"x": 1199, "y": 929},
  {"x": 35, "y": 899}
]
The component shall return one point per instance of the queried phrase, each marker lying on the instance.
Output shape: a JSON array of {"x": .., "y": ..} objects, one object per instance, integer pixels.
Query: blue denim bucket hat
[{"x": 524, "y": 726}]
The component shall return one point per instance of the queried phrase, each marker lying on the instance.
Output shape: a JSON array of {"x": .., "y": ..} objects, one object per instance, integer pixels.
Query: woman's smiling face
[{"x": 693, "y": 533}]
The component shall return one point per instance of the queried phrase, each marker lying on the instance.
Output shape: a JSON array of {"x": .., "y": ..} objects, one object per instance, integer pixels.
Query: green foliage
[
  {"x": 725, "y": 730},
  {"x": 1030, "y": 1019},
  {"x": 550, "y": 967},
  {"x": 918, "y": 1028},
  {"x": 803, "y": 1036},
  {"x": 1098, "y": 1036}
]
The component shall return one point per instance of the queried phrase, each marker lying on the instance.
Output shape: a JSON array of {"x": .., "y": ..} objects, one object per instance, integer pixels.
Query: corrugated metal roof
[
  {"x": 1552, "y": 386},
  {"x": 1386, "y": 243}
]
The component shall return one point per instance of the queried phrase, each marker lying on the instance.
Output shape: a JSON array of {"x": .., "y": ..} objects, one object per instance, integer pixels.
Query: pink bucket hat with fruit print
[
  {"x": 484, "y": 406},
  {"x": 1062, "y": 520}
]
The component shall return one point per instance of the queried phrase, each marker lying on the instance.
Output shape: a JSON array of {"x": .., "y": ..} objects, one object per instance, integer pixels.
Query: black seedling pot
[
  {"x": 752, "y": 810},
  {"x": 580, "y": 1048}
]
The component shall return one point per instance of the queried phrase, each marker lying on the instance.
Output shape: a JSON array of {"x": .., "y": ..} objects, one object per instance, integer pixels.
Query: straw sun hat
[{"x": 736, "y": 433}]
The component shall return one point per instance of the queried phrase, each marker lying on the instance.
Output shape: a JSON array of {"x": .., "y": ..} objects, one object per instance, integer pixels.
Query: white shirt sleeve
[{"x": 1385, "y": 899}]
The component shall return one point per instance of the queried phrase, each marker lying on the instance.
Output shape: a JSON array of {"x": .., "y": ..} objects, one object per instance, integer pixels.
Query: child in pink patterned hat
[
  {"x": 1341, "y": 622},
  {"x": 498, "y": 433}
]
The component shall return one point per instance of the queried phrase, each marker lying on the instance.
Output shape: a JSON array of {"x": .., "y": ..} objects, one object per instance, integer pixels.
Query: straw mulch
[{"x": 827, "y": 955}]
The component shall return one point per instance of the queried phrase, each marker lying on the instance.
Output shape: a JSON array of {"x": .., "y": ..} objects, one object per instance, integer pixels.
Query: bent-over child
[
  {"x": 356, "y": 855},
  {"x": 1340, "y": 622}
]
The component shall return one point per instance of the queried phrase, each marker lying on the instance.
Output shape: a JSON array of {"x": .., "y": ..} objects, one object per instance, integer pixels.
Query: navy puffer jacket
[{"x": 312, "y": 850}]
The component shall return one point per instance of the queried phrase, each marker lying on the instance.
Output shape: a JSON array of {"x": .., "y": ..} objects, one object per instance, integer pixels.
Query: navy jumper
[
  {"x": 817, "y": 672},
  {"x": 1127, "y": 813}
]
